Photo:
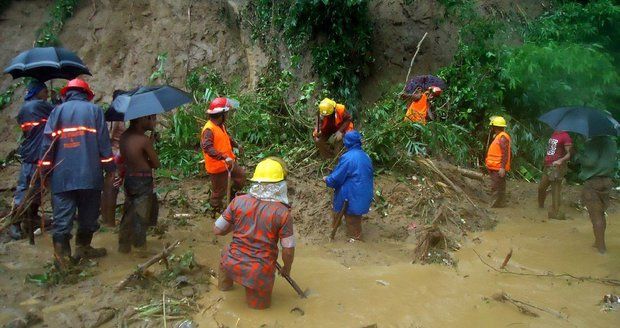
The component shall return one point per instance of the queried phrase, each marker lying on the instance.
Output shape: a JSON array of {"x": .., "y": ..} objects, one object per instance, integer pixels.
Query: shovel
[
  {"x": 292, "y": 282},
  {"x": 228, "y": 184}
]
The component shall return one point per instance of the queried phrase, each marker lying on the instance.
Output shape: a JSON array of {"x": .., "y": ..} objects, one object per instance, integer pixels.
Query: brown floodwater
[
  {"x": 362, "y": 284},
  {"x": 405, "y": 295}
]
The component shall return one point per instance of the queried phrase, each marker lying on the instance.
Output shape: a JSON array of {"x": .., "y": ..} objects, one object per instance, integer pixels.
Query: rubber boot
[
  {"x": 83, "y": 249},
  {"x": 62, "y": 252}
]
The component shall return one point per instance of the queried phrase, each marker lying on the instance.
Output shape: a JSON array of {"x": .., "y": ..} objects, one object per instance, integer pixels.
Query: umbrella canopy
[
  {"x": 45, "y": 64},
  {"x": 424, "y": 82},
  {"x": 589, "y": 122},
  {"x": 146, "y": 101}
]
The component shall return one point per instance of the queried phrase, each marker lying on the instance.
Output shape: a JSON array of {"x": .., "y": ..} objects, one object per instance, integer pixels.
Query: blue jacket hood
[{"x": 353, "y": 139}]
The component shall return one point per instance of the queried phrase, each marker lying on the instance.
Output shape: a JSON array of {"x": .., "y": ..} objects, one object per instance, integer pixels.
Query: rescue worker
[
  {"x": 257, "y": 220},
  {"x": 498, "y": 160},
  {"x": 217, "y": 149},
  {"x": 419, "y": 110},
  {"x": 31, "y": 119},
  {"x": 111, "y": 185},
  {"x": 333, "y": 121},
  {"x": 598, "y": 164},
  {"x": 81, "y": 152},
  {"x": 556, "y": 165},
  {"x": 352, "y": 180}
]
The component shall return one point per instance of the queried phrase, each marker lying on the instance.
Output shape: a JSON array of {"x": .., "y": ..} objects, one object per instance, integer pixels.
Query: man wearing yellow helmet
[
  {"x": 333, "y": 121},
  {"x": 498, "y": 160},
  {"x": 258, "y": 220}
]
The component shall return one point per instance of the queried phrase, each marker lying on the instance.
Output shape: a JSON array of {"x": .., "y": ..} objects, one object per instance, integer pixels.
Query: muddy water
[
  {"x": 357, "y": 285},
  {"x": 406, "y": 295}
]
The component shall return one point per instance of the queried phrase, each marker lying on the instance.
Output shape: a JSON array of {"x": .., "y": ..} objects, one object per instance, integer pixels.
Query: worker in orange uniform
[
  {"x": 419, "y": 110},
  {"x": 333, "y": 121},
  {"x": 217, "y": 149},
  {"x": 498, "y": 160}
]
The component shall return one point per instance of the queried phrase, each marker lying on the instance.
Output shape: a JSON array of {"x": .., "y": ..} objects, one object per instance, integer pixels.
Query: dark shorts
[
  {"x": 595, "y": 193},
  {"x": 140, "y": 210}
]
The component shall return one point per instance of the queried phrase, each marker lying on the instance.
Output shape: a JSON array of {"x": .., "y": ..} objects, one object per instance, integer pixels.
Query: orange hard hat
[
  {"x": 221, "y": 104},
  {"x": 78, "y": 84}
]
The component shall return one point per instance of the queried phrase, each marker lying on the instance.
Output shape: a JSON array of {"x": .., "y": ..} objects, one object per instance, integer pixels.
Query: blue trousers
[
  {"x": 64, "y": 204},
  {"x": 23, "y": 182}
]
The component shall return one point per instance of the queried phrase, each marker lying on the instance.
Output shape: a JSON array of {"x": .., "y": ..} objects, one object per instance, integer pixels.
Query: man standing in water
[
  {"x": 558, "y": 154},
  {"x": 498, "y": 160},
  {"x": 140, "y": 160},
  {"x": 598, "y": 163},
  {"x": 258, "y": 220}
]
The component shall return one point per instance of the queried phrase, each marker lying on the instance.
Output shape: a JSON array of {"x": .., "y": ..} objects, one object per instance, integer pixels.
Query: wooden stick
[
  {"x": 291, "y": 282},
  {"x": 338, "y": 221},
  {"x": 142, "y": 267},
  {"x": 549, "y": 274},
  {"x": 523, "y": 306},
  {"x": 413, "y": 59},
  {"x": 163, "y": 304},
  {"x": 470, "y": 174},
  {"x": 506, "y": 259}
]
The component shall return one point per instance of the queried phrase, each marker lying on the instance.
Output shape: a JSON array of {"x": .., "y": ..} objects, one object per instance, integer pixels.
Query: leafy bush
[{"x": 48, "y": 34}]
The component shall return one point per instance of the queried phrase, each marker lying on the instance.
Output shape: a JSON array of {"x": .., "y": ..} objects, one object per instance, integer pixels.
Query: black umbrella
[
  {"x": 45, "y": 64},
  {"x": 589, "y": 122},
  {"x": 147, "y": 101},
  {"x": 424, "y": 82}
]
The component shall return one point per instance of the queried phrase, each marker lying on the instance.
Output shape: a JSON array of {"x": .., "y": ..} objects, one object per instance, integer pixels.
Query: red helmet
[
  {"x": 78, "y": 84},
  {"x": 219, "y": 105}
]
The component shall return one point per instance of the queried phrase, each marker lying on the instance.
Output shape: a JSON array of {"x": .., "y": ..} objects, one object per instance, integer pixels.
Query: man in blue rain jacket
[
  {"x": 81, "y": 151},
  {"x": 352, "y": 180},
  {"x": 31, "y": 119}
]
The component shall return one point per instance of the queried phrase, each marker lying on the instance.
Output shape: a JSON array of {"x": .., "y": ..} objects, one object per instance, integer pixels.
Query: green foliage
[
  {"x": 556, "y": 75},
  {"x": 337, "y": 33},
  {"x": 568, "y": 56},
  {"x": 390, "y": 141},
  {"x": 7, "y": 96},
  {"x": 47, "y": 36}
]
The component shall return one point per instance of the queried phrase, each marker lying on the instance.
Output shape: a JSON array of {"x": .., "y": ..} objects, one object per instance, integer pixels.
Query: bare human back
[{"x": 136, "y": 148}]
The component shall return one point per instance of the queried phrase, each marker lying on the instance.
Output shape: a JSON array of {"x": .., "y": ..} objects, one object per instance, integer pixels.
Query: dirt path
[{"x": 351, "y": 285}]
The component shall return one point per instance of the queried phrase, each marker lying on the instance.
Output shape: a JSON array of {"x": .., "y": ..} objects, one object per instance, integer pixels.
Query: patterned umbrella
[
  {"x": 424, "y": 82},
  {"x": 45, "y": 64}
]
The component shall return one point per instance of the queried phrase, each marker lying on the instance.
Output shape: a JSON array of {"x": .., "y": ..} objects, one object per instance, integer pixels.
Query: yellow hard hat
[
  {"x": 497, "y": 121},
  {"x": 326, "y": 107},
  {"x": 268, "y": 170},
  {"x": 282, "y": 163}
]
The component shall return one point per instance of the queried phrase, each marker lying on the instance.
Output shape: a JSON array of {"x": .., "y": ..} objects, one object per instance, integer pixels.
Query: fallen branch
[
  {"x": 413, "y": 59},
  {"x": 430, "y": 165},
  {"x": 524, "y": 307},
  {"x": 142, "y": 267},
  {"x": 506, "y": 259},
  {"x": 604, "y": 281},
  {"x": 430, "y": 237},
  {"x": 470, "y": 174}
]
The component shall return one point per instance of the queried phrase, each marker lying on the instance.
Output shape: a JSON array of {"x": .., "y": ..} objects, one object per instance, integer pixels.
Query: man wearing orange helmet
[
  {"x": 217, "y": 149},
  {"x": 333, "y": 121},
  {"x": 80, "y": 151}
]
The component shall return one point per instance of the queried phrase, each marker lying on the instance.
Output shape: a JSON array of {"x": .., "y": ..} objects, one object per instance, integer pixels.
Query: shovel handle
[{"x": 291, "y": 282}]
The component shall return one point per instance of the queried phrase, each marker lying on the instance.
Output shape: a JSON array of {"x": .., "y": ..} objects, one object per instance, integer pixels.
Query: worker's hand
[
  {"x": 338, "y": 136},
  {"x": 325, "y": 179},
  {"x": 502, "y": 172},
  {"x": 229, "y": 161},
  {"x": 557, "y": 163},
  {"x": 286, "y": 270}
]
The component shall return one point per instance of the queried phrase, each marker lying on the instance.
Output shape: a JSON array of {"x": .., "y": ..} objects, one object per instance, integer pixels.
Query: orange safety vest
[
  {"x": 417, "y": 111},
  {"x": 494, "y": 154},
  {"x": 221, "y": 142},
  {"x": 338, "y": 115}
]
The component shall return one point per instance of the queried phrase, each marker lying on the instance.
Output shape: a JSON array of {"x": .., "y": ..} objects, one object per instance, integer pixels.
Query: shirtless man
[{"x": 139, "y": 157}]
